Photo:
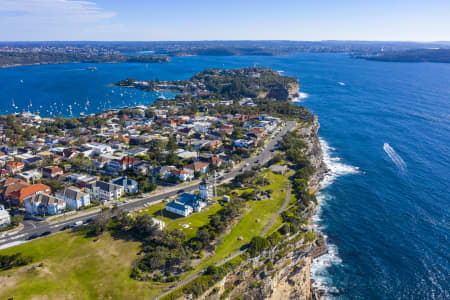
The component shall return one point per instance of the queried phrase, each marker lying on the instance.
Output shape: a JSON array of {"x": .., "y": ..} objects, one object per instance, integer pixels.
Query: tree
[
  {"x": 16, "y": 220},
  {"x": 101, "y": 221},
  {"x": 257, "y": 245}
]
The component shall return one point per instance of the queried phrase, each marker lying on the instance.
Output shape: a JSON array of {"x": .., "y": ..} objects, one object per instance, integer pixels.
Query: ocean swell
[{"x": 319, "y": 266}]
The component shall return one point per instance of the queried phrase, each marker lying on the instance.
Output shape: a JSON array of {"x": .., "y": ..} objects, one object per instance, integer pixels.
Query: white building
[
  {"x": 74, "y": 197},
  {"x": 5, "y": 220},
  {"x": 129, "y": 185},
  {"x": 104, "y": 191},
  {"x": 43, "y": 204}
]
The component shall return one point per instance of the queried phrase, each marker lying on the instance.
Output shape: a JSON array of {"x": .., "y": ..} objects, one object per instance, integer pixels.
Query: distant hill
[{"x": 417, "y": 55}]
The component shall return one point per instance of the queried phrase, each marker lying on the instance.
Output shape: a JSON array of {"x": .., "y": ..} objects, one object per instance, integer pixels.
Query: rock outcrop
[{"x": 284, "y": 271}]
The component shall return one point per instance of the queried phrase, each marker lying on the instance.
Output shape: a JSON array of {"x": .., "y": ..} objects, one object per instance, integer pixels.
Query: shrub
[{"x": 257, "y": 245}]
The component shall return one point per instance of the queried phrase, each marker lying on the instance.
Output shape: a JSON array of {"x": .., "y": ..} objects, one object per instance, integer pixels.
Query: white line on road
[{"x": 12, "y": 244}]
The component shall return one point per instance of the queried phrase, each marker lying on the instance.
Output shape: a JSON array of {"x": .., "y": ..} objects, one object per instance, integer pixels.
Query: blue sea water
[{"x": 385, "y": 129}]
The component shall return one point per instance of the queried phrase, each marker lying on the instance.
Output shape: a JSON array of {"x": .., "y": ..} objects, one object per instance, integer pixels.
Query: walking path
[
  {"x": 275, "y": 217},
  {"x": 235, "y": 254}
]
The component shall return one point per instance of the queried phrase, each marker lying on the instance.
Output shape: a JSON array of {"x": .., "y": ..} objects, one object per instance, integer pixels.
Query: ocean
[{"x": 385, "y": 132}]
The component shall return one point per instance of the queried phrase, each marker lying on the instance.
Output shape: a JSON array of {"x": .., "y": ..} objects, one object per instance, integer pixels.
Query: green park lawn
[
  {"x": 70, "y": 265},
  {"x": 256, "y": 216},
  {"x": 75, "y": 267}
]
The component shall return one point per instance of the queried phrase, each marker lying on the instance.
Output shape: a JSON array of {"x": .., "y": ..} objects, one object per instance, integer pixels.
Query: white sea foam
[
  {"x": 396, "y": 159},
  {"x": 300, "y": 97},
  {"x": 320, "y": 265}
]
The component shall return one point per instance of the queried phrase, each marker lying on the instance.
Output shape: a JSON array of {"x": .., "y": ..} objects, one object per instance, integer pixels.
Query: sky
[{"x": 177, "y": 20}]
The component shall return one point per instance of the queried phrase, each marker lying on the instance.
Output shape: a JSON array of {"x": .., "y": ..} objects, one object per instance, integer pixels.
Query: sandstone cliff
[{"x": 284, "y": 271}]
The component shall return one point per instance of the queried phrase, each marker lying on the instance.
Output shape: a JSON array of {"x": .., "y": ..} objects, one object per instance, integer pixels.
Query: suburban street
[{"x": 37, "y": 228}]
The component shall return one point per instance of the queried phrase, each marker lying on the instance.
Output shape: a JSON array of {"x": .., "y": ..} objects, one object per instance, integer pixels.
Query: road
[{"x": 38, "y": 227}]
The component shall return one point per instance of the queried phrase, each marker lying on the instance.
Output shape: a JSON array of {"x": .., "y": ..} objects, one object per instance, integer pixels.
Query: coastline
[{"x": 320, "y": 277}]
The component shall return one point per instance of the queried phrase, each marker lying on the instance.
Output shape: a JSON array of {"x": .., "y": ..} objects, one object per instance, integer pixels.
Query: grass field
[
  {"x": 75, "y": 267},
  {"x": 194, "y": 221},
  {"x": 256, "y": 216}
]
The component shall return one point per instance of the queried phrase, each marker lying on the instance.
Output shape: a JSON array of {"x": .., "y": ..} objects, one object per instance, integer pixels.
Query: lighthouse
[{"x": 205, "y": 193}]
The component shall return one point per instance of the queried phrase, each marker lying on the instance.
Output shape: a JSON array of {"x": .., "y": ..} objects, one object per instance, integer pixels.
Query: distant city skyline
[{"x": 115, "y": 20}]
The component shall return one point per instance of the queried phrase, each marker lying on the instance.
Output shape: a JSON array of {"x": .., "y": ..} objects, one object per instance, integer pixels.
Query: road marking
[{"x": 12, "y": 244}]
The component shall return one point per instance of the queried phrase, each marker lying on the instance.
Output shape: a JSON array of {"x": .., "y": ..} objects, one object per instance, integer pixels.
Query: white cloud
[{"x": 40, "y": 12}]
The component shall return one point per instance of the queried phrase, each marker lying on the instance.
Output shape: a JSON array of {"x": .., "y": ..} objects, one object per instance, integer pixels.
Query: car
[
  {"x": 32, "y": 237},
  {"x": 88, "y": 220},
  {"x": 180, "y": 191},
  {"x": 46, "y": 233},
  {"x": 77, "y": 223},
  {"x": 65, "y": 227}
]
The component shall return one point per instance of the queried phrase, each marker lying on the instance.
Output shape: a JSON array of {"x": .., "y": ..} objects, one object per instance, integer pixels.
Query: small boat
[{"x": 92, "y": 68}]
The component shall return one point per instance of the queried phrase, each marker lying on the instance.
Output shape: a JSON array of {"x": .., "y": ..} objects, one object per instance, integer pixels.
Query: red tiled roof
[{"x": 30, "y": 190}]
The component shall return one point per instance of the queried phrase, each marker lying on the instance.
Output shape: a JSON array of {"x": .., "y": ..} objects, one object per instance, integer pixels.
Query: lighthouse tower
[{"x": 205, "y": 193}]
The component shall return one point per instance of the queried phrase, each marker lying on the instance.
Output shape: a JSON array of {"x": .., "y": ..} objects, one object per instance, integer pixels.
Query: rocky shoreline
[{"x": 282, "y": 272}]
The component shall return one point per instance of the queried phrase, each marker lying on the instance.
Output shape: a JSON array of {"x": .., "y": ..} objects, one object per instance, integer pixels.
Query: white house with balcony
[
  {"x": 74, "y": 197},
  {"x": 104, "y": 191}
]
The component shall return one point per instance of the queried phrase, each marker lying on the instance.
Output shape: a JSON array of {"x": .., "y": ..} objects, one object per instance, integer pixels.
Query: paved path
[{"x": 275, "y": 217}]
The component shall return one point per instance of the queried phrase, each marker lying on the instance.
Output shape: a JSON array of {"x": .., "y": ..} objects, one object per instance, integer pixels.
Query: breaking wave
[
  {"x": 396, "y": 159},
  {"x": 320, "y": 265}
]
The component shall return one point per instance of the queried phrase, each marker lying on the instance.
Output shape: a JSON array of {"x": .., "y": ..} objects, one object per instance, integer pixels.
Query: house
[
  {"x": 15, "y": 166},
  {"x": 135, "y": 151},
  {"x": 17, "y": 197},
  {"x": 199, "y": 166},
  {"x": 44, "y": 204},
  {"x": 81, "y": 180},
  {"x": 216, "y": 161},
  {"x": 5, "y": 219},
  {"x": 68, "y": 154},
  {"x": 182, "y": 175},
  {"x": 226, "y": 129},
  {"x": 188, "y": 203},
  {"x": 52, "y": 172},
  {"x": 74, "y": 197},
  {"x": 129, "y": 185},
  {"x": 183, "y": 154},
  {"x": 243, "y": 143},
  {"x": 122, "y": 164},
  {"x": 30, "y": 176},
  {"x": 104, "y": 191},
  {"x": 179, "y": 208},
  {"x": 212, "y": 145},
  {"x": 162, "y": 171},
  {"x": 11, "y": 185},
  {"x": 142, "y": 167}
]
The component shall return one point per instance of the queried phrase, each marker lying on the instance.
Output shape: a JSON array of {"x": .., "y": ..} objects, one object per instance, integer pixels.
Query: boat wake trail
[{"x": 396, "y": 159}]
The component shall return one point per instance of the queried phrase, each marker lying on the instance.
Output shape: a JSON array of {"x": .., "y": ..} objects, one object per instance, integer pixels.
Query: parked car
[
  {"x": 45, "y": 233},
  {"x": 77, "y": 223},
  {"x": 65, "y": 227},
  {"x": 32, "y": 237}
]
